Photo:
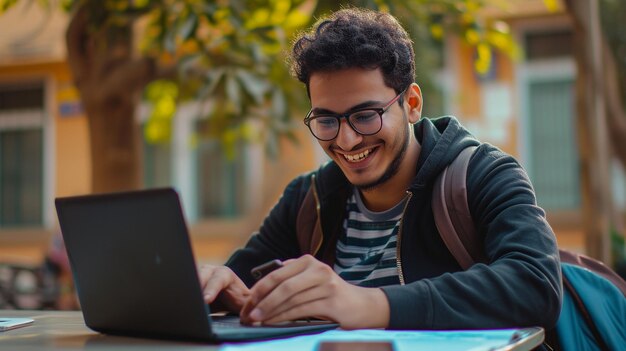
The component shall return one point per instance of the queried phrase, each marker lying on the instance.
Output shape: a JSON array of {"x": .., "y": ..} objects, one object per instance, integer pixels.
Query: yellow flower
[
  {"x": 436, "y": 30},
  {"x": 483, "y": 61},
  {"x": 471, "y": 36},
  {"x": 552, "y": 5}
]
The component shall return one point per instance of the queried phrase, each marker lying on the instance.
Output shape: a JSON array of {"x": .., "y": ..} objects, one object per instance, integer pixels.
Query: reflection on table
[{"x": 66, "y": 330}]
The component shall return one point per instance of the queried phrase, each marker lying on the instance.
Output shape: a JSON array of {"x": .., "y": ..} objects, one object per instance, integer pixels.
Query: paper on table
[
  {"x": 470, "y": 340},
  {"x": 8, "y": 323}
]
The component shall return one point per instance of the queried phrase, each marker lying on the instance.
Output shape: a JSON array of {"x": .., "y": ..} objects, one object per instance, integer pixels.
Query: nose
[{"x": 347, "y": 138}]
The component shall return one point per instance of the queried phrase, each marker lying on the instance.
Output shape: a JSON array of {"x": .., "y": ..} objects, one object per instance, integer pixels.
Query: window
[
  {"x": 211, "y": 185},
  {"x": 554, "y": 161},
  {"x": 157, "y": 165},
  {"x": 550, "y": 114},
  {"x": 21, "y": 155},
  {"x": 221, "y": 181},
  {"x": 549, "y": 44}
]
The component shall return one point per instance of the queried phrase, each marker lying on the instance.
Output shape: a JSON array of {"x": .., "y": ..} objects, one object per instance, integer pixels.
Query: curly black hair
[{"x": 356, "y": 38}]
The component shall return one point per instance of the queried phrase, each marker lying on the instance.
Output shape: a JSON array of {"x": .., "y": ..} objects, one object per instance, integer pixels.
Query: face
[{"x": 367, "y": 161}]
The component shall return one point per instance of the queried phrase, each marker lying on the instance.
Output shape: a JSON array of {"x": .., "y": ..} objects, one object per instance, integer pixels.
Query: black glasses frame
[{"x": 379, "y": 110}]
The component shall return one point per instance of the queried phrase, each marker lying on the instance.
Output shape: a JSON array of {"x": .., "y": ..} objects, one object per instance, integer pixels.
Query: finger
[
  {"x": 204, "y": 273},
  {"x": 286, "y": 291},
  {"x": 218, "y": 280},
  {"x": 317, "y": 308},
  {"x": 315, "y": 274},
  {"x": 268, "y": 283},
  {"x": 306, "y": 296},
  {"x": 290, "y": 268},
  {"x": 247, "y": 307},
  {"x": 262, "y": 314}
]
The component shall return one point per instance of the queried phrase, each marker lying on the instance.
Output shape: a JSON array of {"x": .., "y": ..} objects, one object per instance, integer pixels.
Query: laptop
[{"x": 135, "y": 272}]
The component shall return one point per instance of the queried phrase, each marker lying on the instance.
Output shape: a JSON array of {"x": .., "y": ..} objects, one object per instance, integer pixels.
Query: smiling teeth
[{"x": 357, "y": 157}]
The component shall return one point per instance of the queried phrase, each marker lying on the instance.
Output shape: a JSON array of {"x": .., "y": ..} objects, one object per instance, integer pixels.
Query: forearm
[{"x": 511, "y": 293}]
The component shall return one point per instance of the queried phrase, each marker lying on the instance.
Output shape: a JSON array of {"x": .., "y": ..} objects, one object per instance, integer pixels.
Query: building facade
[{"x": 525, "y": 106}]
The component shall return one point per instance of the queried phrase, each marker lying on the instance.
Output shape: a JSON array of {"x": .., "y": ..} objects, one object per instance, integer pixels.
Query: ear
[{"x": 414, "y": 98}]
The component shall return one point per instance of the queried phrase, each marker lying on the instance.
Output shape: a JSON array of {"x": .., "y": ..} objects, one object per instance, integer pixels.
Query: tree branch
[
  {"x": 132, "y": 75},
  {"x": 616, "y": 117},
  {"x": 79, "y": 47}
]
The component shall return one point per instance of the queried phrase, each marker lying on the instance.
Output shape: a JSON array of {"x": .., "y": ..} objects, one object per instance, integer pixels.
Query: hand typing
[
  {"x": 306, "y": 287},
  {"x": 223, "y": 288}
]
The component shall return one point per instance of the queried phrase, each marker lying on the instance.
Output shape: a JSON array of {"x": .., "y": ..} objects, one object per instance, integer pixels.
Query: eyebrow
[{"x": 362, "y": 105}]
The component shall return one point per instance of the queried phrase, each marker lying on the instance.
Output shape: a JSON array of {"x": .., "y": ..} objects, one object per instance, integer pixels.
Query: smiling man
[
  {"x": 377, "y": 158},
  {"x": 357, "y": 236}
]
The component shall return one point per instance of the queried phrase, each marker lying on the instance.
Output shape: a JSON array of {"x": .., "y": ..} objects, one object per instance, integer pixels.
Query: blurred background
[{"x": 100, "y": 96}]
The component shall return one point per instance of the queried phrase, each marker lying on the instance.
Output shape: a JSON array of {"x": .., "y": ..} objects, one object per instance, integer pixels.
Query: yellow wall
[
  {"x": 468, "y": 99},
  {"x": 469, "y": 93},
  {"x": 71, "y": 164}
]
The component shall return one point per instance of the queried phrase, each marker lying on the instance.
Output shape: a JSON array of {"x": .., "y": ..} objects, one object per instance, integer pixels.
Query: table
[{"x": 66, "y": 330}]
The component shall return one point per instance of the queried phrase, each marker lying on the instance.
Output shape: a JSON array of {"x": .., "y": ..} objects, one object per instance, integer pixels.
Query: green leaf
[
  {"x": 297, "y": 19},
  {"x": 213, "y": 78},
  {"x": 272, "y": 147},
  {"x": 6, "y": 4},
  {"x": 188, "y": 29},
  {"x": 208, "y": 10},
  {"x": 188, "y": 62},
  {"x": 254, "y": 85},
  {"x": 233, "y": 92},
  {"x": 169, "y": 41},
  {"x": 279, "y": 103}
]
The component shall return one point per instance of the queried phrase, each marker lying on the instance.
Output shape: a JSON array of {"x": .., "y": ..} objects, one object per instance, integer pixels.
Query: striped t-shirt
[{"x": 366, "y": 250}]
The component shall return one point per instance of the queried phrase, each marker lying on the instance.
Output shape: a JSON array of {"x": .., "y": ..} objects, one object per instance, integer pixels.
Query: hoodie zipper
[
  {"x": 319, "y": 214},
  {"x": 399, "y": 240}
]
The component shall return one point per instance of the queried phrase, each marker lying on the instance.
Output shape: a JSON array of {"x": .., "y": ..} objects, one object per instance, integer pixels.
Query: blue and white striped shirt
[{"x": 366, "y": 250}]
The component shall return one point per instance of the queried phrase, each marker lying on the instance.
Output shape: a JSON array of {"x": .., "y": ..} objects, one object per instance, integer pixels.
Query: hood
[{"x": 441, "y": 140}]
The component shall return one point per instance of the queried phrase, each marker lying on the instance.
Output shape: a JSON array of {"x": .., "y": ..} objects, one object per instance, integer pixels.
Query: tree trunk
[
  {"x": 616, "y": 117},
  {"x": 593, "y": 132},
  {"x": 110, "y": 82}
]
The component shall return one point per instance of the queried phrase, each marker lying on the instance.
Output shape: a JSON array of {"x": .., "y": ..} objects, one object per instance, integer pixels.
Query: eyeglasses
[{"x": 366, "y": 121}]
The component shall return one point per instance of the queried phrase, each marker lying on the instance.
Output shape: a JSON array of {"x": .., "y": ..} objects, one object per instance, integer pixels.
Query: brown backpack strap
[
  {"x": 308, "y": 226},
  {"x": 451, "y": 210}
]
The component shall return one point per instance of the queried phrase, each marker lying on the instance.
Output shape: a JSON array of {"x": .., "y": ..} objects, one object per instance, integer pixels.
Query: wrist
[
  {"x": 374, "y": 309},
  {"x": 380, "y": 308}
]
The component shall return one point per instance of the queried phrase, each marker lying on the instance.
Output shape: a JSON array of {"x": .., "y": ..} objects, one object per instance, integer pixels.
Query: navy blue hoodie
[{"x": 519, "y": 286}]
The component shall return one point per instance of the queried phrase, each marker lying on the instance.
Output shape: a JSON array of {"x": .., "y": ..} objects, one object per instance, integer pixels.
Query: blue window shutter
[{"x": 553, "y": 154}]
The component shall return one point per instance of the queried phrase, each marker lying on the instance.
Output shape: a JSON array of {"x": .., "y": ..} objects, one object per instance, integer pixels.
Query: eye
[
  {"x": 364, "y": 117},
  {"x": 325, "y": 121}
]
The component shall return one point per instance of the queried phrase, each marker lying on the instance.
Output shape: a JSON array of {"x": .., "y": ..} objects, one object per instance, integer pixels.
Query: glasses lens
[
  {"x": 324, "y": 127},
  {"x": 366, "y": 121}
]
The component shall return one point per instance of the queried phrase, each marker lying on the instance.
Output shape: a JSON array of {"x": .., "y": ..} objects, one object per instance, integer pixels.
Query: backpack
[{"x": 593, "y": 313}]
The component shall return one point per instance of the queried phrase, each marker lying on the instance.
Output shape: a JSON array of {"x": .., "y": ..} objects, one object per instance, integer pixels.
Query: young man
[{"x": 380, "y": 262}]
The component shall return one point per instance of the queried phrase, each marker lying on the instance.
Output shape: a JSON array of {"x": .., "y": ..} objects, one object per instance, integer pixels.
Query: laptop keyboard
[
  {"x": 227, "y": 322},
  {"x": 233, "y": 322}
]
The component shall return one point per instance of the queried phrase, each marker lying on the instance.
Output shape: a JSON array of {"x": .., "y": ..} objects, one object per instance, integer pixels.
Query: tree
[
  {"x": 226, "y": 52},
  {"x": 612, "y": 12},
  {"x": 223, "y": 50},
  {"x": 600, "y": 44}
]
